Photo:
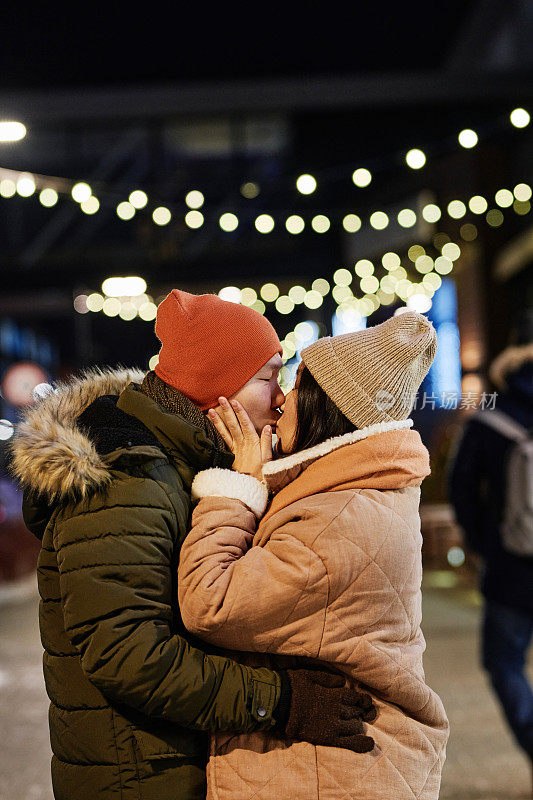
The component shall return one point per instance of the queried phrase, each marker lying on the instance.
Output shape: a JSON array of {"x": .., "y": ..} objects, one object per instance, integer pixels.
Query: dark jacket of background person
[
  {"x": 477, "y": 488},
  {"x": 122, "y": 673}
]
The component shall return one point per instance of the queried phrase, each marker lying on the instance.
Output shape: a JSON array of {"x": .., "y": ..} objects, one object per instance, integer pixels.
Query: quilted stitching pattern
[{"x": 369, "y": 543}]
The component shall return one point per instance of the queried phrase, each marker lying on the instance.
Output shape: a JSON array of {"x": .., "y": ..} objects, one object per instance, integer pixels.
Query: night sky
[{"x": 92, "y": 45}]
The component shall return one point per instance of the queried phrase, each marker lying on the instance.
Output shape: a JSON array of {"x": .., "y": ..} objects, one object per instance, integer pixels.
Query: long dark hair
[{"x": 318, "y": 418}]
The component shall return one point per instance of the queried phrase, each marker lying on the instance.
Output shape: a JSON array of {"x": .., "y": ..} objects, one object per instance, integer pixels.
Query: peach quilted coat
[{"x": 332, "y": 572}]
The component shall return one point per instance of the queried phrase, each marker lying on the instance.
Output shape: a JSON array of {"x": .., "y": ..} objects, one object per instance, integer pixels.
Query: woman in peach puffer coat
[{"x": 332, "y": 571}]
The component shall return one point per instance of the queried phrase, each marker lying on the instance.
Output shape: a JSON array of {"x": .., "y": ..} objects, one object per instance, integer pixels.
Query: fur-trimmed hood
[{"x": 52, "y": 455}]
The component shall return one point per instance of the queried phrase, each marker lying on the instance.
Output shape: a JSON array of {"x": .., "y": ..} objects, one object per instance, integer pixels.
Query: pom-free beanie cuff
[{"x": 373, "y": 375}]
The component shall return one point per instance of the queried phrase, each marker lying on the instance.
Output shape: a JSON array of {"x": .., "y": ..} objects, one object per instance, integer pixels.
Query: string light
[
  {"x": 80, "y": 192},
  {"x": 80, "y": 304},
  {"x": 477, "y": 204},
  {"x": 161, "y": 215},
  {"x": 520, "y": 207},
  {"x": 342, "y": 277},
  {"x": 193, "y": 219},
  {"x": 306, "y": 184},
  {"x": 138, "y": 199},
  {"x": 433, "y": 280},
  {"x": 391, "y": 260},
  {"x": 295, "y": 224},
  {"x": 415, "y": 158},
  {"x": 12, "y": 131},
  {"x": 228, "y": 222},
  {"x": 456, "y": 209},
  {"x": 124, "y": 287},
  {"x": 379, "y": 220},
  {"x": 468, "y": 138},
  {"x": 519, "y": 117},
  {"x": 264, "y": 223},
  {"x": 364, "y": 267},
  {"x": 297, "y": 294},
  {"x": 431, "y": 213},
  {"x": 320, "y": 285},
  {"x": 95, "y": 301},
  {"x": 90, "y": 206},
  {"x": 320, "y": 223},
  {"x": 369, "y": 284},
  {"x": 127, "y": 311},
  {"x": 259, "y": 306},
  {"x": 451, "y": 251},
  {"x": 504, "y": 198},
  {"x": 125, "y": 210},
  {"x": 284, "y": 304},
  {"x": 148, "y": 311},
  {"x": 415, "y": 251},
  {"x": 494, "y": 218},
  {"x": 248, "y": 296},
  {"x": 424, "y": 264},
  {"x": 468, "y": 232},
  {"x": 341, "y": 293},
  {"x": 313, "y": 299},
  {"x": 111, "y": 307},
  {"x": 522, "y": 191},
  {"x": 351, "y": 223},
  {"x": 362, "y": 177},
  {"x": 406, "y": 218},
  {"x": 250, "y": 189},
  {"x": 269, "y": 292},
  {"x": 443, "y": 265},
  {"x": 48, "y": 197},
  {"x": 25, "y": 185},
  {"x": 194, "y": 199},
  {"x": 232, "y": 294},
  {"x": 7, "y": 187}
]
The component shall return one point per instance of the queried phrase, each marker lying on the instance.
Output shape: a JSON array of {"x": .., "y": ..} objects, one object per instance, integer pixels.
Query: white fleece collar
[
  {"x": 226, "y": 483},
  {"x": 283, "y": 470}
]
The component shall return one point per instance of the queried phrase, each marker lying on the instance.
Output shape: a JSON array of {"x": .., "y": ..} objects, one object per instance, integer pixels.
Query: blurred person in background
[
  {"x": 107, "y": 462},
  {"x": 490, "y": 487},
  {"x": 331, "y": 572}
]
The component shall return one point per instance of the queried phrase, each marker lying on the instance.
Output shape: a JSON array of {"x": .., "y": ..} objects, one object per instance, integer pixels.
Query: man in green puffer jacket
[{"x": 107, "y": 462}]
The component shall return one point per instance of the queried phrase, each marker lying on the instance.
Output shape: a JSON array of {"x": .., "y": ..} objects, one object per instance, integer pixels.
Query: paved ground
[{"x": 483, "y": 762}]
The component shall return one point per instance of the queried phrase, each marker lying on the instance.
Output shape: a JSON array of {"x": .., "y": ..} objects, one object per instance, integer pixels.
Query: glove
[{"x": 317, "y": 707}]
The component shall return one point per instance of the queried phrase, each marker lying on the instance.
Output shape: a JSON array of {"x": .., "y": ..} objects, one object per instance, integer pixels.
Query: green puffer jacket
[{"x": 107, "y": 485}]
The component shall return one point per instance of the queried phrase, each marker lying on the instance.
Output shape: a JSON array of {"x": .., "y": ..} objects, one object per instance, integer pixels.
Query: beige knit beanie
[{"x": 373, "y": 375}]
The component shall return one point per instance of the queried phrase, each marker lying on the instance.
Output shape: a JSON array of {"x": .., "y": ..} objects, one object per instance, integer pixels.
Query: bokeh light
[
  {"x": 228, "y": 222},
  {"x": 320, "y": 223},
  {"x": 519, "y": 117},
  {"x": 468, "y": 138},
  {"x": 406, "y": 218},
  {"x": 415, "y": 158},
  {"x": 294, "y": 224},
  {"x": 306, "y": 184},
  {"x": 264, "y": 223},
  {"x": 351, "y": 223},
  {"x": 193, "y": 219},
  {"x": 194, "y": 199},
  {"x": 161, "y": 215},
  {"x": 48, "y": 197},
  {"x": 81, "y": 191},
  {"x": 362, "y": 177}
]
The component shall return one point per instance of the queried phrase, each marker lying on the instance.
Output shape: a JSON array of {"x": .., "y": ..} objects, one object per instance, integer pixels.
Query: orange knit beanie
[{"x": 210, "y": 347}]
